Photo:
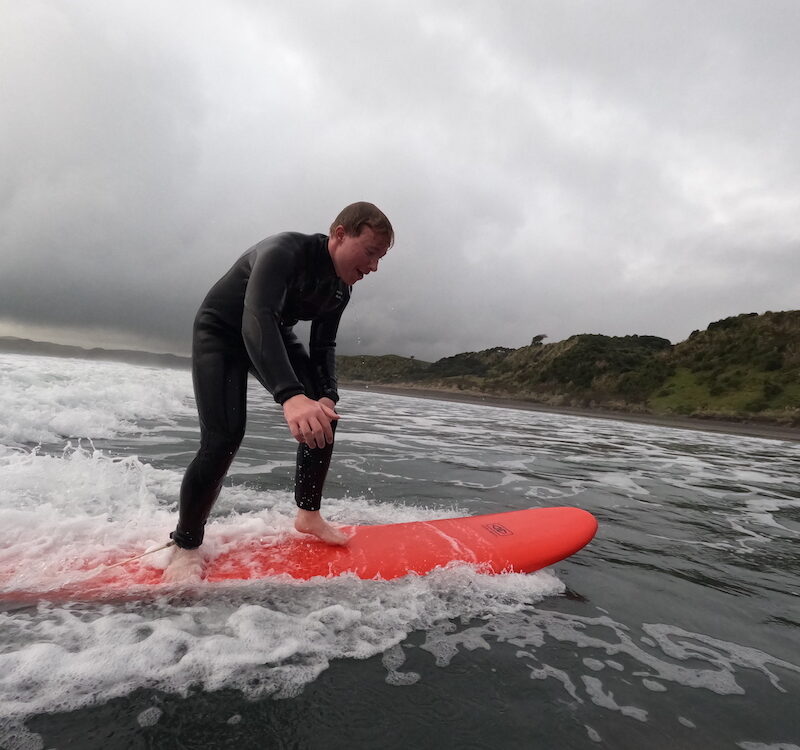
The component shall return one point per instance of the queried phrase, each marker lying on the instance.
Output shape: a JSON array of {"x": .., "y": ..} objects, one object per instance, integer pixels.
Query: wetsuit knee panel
[{"x": 223, "y": 443}]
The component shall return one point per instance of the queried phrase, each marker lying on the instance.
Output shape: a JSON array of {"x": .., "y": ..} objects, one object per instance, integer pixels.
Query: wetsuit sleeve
[
  {"x": 322, "y": 347},
  {"x": 264, "y": 299}
]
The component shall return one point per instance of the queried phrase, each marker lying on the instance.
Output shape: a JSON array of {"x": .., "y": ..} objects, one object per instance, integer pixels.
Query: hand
[
  {"x": 330, "y": 403},
  {"x": 310, "y": 421}
]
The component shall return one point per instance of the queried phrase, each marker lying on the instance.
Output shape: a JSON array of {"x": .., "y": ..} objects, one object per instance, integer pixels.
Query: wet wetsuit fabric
[{"x": 245, "y": 325}]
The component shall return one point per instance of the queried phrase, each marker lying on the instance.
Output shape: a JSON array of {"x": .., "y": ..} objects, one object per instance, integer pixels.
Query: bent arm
[
  {"x": 323, "y": 353},
  {"x": 261, "y": 331}
]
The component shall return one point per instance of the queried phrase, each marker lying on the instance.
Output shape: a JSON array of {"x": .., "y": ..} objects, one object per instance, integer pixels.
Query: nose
[{"x": 373, "y": 265}]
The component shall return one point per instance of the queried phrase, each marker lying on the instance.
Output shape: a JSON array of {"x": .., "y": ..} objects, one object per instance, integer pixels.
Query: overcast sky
[{"x": 549, "y": 167}]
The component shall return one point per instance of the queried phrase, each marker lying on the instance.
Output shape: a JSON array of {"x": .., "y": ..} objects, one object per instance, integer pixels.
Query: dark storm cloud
[{"x": 549, "y": 168}]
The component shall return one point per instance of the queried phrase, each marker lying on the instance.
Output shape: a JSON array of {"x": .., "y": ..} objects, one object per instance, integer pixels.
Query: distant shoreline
[
  {"x": 11, "y": 345},
  {"x": 747, "y": 429}
]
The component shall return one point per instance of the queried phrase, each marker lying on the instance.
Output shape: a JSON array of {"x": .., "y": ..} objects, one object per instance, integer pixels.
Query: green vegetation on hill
[
  {"x": 478, "y": 364},
  {"x": 742, "y": 367},
  {"x": 587, "y": 367},
  {"x": 387, "y": 368},
  {"x": 748, "y": 364}
]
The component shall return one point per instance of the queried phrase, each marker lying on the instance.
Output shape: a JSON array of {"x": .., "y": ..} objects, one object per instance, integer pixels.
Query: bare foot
[
  {"x": 311, "y": 522},
  {"x": 186, "y": 566}
]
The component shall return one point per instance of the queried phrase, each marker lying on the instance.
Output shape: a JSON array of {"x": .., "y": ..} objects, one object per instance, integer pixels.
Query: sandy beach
[{"x": 751, "y": 429}]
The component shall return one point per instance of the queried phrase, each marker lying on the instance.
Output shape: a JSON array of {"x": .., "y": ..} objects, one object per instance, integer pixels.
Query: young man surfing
[{"x": 245, "y": 326}]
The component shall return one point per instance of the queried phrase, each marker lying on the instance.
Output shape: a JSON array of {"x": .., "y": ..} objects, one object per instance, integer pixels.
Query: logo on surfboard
[{"x": 498, "y": 529}]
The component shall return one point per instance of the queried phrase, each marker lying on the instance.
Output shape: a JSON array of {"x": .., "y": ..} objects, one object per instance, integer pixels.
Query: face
[{"x": 355, "y": 257}]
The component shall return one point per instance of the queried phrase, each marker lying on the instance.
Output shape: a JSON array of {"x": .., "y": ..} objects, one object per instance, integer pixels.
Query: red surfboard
[{"x": 519, "y": 541}]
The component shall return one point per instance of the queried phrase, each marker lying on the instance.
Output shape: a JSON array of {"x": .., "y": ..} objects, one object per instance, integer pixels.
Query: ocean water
[{"x": 677, "y": 627}]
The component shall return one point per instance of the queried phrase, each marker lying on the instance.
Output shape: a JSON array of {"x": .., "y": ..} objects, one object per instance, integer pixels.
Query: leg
[
  {"x": 311, "y": 469},
  {"x": 220, "y": 386},
  {"x": 312, "y": 464},
  {"x": 310, "y": 473}
]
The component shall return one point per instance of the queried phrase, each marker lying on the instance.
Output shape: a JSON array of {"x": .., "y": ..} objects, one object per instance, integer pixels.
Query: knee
[{"x": 221, "y": 443}]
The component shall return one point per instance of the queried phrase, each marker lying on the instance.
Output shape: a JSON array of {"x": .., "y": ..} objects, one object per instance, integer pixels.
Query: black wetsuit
[{"x": 245, "y": 325}]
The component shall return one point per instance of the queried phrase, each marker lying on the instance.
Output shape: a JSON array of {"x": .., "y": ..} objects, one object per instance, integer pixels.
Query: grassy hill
[
  {"x": 387, "y": 368},
  {"x": 742, "y": 367}
]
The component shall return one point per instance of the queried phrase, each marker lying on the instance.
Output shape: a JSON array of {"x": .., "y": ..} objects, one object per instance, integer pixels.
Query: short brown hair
[{"x": 358, "y": 215}]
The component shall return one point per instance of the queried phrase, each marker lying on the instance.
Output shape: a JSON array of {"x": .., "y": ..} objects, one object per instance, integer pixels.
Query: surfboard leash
[{"x": 170, "y": 543}]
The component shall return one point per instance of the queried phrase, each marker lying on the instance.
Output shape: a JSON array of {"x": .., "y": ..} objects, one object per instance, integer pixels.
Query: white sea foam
[
  {"x": 266, "y": 467},
  {"x": 392, "y": 660},
  {"x": 367, "y": 438},
  {"x": 594, "y": 664},
  {"x": 594, "y": 689},
  {"x": 655, "y": 668},
  {"x": 46, "y": 399},
  {"x": 149, "y": 717},
  {"x": 263, "y": 638},
  {"x": 622, "y": 482},
  {"x": 594, "y": 736},
  {"x": 266, "y": 639},
  {"x": 58, "y": 511},
  {"x": 14, "y": 735}
]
